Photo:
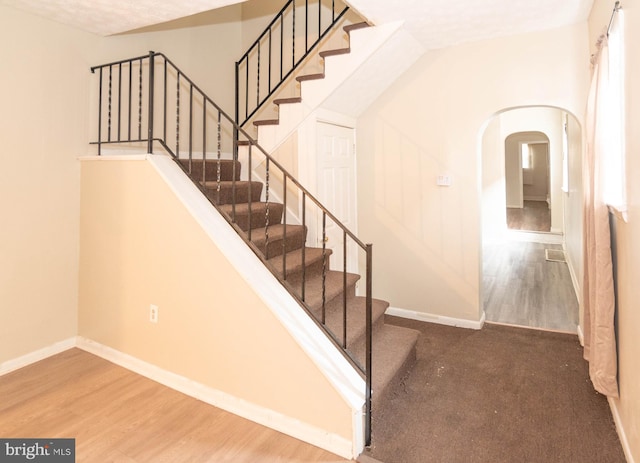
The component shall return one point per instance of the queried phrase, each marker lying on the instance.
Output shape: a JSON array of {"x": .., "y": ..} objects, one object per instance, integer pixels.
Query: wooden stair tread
[
  {"x": 335, "y": 52},
  {"x": 290, "y": 100},
  {"x": 266, "y": 122},
  {"x": 316, "y": 76},
  {"x": 355, "y": 26}
]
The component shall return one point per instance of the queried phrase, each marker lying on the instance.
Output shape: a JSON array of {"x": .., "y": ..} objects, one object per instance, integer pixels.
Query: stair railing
[
  {"x": 148, "y": 100},
  {"x": 285, "y": 43}
]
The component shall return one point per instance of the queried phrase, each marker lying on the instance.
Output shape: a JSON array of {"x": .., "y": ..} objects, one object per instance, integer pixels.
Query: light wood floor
[
  {"x": 534, "y": 216},
  {"x": 522, "y": 288},
  {"x": 118, "y": 416}
]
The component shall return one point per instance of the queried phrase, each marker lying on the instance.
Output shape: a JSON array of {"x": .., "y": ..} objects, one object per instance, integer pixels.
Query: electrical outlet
[{"x": 153, "y": 313}]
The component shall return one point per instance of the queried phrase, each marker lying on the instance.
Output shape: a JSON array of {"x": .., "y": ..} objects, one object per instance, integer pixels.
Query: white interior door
[{"x": 337, "y": 190}]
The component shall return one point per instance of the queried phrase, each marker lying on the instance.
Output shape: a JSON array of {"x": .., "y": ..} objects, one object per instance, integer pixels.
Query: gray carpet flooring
[{"x": 500, "y": 394}]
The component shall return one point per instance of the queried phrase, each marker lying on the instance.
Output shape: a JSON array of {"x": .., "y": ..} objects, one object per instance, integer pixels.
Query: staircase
[
  {"x": 263, "y": 202},
  {"x": 329, "y": 296}
]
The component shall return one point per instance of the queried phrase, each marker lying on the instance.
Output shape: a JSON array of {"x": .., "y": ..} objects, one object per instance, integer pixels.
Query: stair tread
[
  {"x": 313, "y": 289},
  {"x": 393, "y": 347},
  {"x": 266, "y": 122},
  {"x": 230, "y": 183},
  {"x": 276, "y": 232},
  {"x": 294, "y": 259},
  {"x": 319, "y": 75},
  {"x": 355, "y": 26},
  {"x": 293, "y": 99},
  {"x": 243, "y": 208},
  {"x": 356, "y": 319},
  {"x": 335, "y": 52}
]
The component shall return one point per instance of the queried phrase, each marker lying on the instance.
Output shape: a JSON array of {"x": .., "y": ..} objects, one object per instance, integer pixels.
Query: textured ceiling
[
  {"x": 433, "y": 23},
  {"x": 107, "y": 17},
  {"x": 440, "y": 23}
]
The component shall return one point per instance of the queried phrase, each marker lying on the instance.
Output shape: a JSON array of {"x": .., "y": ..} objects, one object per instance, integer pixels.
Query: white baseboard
[
  {"x": 439, "y": 319},
  {"x": 256, "y": 413},
  {"x": 624, "y": 441},
  {"x": 33, "y": 357}
]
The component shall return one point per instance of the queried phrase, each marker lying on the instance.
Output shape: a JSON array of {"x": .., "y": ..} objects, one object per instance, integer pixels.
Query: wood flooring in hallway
[
  {"x": 522, "y": 288},
  {"x": 533, "y": 216}
]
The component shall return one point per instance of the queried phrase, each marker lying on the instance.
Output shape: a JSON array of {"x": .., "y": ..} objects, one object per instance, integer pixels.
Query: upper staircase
[{"x": 159, "y": 106}]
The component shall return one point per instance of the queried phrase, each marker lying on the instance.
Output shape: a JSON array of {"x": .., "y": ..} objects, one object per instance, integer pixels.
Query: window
[
  {"x": 527, "y": 157},
  {"x": 614, "y": 193},
  {"x": 565, "y": 152}
]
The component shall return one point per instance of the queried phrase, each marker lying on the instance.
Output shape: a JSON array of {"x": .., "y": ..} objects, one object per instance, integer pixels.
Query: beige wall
[
  {"x": 43, "y": 100},
  {"x": 627, "y": 233},
  {"x": 45, "y": 88},
  {"x": 204, "y": 47},
  {"x": 140, "y": 246},
  {"x": 430, "y": 122}
]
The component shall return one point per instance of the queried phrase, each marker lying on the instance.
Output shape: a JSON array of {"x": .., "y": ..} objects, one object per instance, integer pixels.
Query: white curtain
[{"x": 598, "y": 288}]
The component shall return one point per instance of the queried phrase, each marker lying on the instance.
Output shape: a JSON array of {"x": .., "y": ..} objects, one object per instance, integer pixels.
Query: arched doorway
[{"x": 517, "y": 288}]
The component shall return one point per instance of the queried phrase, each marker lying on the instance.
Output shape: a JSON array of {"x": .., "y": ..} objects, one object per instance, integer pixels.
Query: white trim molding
[
  {"x": 258, "y": 414},
  {"x": 624, "y": 441},
  {"x": 439, "y": 319},
  {"x": 36, "y": 356}
]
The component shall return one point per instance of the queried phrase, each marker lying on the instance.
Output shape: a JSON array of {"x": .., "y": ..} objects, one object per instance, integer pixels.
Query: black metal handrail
[
  {"x": 128, "y": 108},
  {"x": 289, "y": 33}
]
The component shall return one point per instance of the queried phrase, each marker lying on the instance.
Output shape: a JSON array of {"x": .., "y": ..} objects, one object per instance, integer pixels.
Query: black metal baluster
[
  {"x": 269, "y": 78},
  {"x": 164, "y": 125},
  {"x": 266, "y": 213},
  {"x": 344, "y": 289},
  {"x": 368, "y": 349},
  {"x": 140, "y": 102},
  {"x": 258, "y": 76},
  {"x": 324, "y": 263},
  {"x": 293, "y": 34},
  {"x": 284, "y": 227},
  {"x": 178, "y": 114},
  {"x": 249, "y": 203},
  {"x": 100, "y": 115},
  {"x": 281, "y": 45},
  {"x": 204, "y": 141},
  {"x": 306, "y": 25},
  {"x": 190, "y": 127},
  {"x": 246, "y": 91},
  {"x": 129, "y": 97},
  {"x": 304, "y": 227},
  {"x": 319, "y": 19},
  {"x": 119, "y": 98},
  {"x": 109, "y": 105},
  {"x": 219, "y": 167},
  {"x": 152, "y": 79}
]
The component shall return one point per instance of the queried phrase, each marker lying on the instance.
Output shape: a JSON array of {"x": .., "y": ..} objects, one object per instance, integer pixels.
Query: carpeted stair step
[
  {"x": 333, "y": 284},
  {"x": 294, "y": 239},
  {"x": 223, "y": 192},
  {"x": 314, "y": 260},
  {"x": 260, "y": 213},
  {"x": 356, "y": 321},
  {"x": 271, "y": 245},
  {"x": 210, "y": 167},
  {"x": 394, "y": 353}
]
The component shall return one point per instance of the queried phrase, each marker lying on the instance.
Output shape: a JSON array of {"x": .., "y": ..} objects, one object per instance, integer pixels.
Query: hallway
[{"x": 521, "y": 287}]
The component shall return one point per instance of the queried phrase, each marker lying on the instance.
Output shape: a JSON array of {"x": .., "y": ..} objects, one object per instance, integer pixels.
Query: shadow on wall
[{"x": 421, "y": 217}]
